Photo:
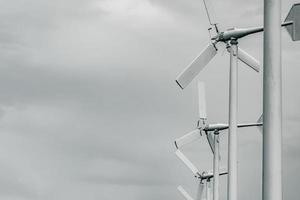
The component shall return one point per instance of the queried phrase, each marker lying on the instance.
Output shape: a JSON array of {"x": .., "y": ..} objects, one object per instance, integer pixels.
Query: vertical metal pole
[
  {"x": 216, "y": 166},
  {"x": 232, "y": 132},
  {"x": 208, "y": 189},
  {"x": 272, "y": 143}
]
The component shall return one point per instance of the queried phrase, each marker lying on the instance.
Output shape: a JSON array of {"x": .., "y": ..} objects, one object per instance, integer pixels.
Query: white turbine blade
[
  {"x": 248, "y": 60},
  {"x": 200, "y": 191},
  {"x": 188, "y": 138},
  {"x": 202, "y": 101},
  {"x": 210, "y": 11},
  {"x": 211, "y": 141},
  {"x": 190, "y": 72},
  {"x": 184, "y": 193},
  {"x": 188, "y": 163}
]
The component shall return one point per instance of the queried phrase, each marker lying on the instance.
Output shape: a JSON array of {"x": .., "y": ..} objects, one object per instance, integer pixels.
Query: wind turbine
[
  {"x": 205, "y": 178},
  {"x": 230, "y": 37},
  {"x": 203, "y": 191},
  {"x": 212, "y": 134},
  {"x": 204, "y": 127}
]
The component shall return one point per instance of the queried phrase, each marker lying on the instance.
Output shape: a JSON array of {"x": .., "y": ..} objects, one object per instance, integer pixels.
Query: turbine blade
[
  {"x": 187, "y": 138},
  {"x": 248, "y": 59},
  {"x": 188, "y": 163},
  {"x": 210, "y": 11},
  {"x": 184, "y": 193},
  {"x": 200, "y": 191},
  {"x": 210, "y": 140},
  {"x": 202, "y": 100},
  {"x": 190, "y": 72}
]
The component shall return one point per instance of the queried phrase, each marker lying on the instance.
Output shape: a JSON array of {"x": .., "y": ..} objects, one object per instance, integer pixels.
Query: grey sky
[{"x": 90, "y": 109}]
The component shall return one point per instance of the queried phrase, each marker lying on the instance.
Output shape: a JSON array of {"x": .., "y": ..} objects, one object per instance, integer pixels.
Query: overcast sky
[{"x": 89, "y": 107}]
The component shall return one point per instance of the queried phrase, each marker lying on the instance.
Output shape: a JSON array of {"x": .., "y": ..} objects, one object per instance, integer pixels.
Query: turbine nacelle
[
  {"x": 212, "y": 127},
  {"x": 236, "y": 33},
  {"x": 209, "y": 175},
  {"x": 233, "y": 34}
]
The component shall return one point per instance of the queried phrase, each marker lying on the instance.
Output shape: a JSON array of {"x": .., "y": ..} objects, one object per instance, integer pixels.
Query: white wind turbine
[
  {"x": 208, "y": 129},
  {"x": 205, "y": 179},
  {"x": 229, "y": 37},
  {"x": 203, "y": 192}
]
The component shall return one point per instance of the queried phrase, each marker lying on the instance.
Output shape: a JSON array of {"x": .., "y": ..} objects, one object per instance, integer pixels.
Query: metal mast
[
  {"x": 216, "y": 166},
  {"x": 272, "y": 104},
  {"x": 232, "y": 132}
]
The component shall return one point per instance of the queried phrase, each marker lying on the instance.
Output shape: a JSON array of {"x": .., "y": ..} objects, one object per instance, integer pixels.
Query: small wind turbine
[
  {"x": 229, "y": 37},
  {"x": 204, "y": 126},
  {"x": 203, "y": 192},
  {"x": 205, "y": 178},
  {"x": 209, "y": 129}
]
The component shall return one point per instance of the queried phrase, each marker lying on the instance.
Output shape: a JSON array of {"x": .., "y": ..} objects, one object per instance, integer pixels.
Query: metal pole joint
[{"x": 233, "y": 41}]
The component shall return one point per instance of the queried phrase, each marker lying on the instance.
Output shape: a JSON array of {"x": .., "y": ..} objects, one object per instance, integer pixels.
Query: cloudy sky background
[{"x": 89, "y": 107}]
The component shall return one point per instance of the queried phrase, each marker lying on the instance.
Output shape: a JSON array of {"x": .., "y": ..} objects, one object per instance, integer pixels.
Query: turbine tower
[{"x": 272, "y": 95}]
